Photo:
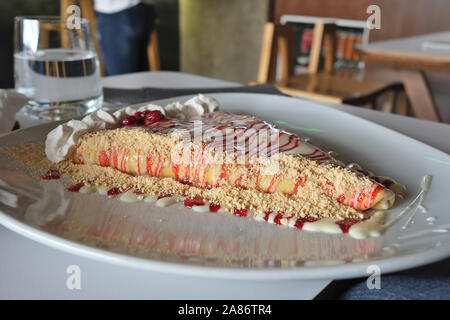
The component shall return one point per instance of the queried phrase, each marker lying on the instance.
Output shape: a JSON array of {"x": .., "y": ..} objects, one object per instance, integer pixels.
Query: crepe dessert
[{"x": 236, "y": 162}]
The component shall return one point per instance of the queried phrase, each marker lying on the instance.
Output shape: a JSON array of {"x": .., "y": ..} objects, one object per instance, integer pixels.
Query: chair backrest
[
  {"x": 153, "y": 49},
  {"x": 322, "y": 33},
  {"x": 275, "y": 37},
  {"x": 277, "y": 43}
]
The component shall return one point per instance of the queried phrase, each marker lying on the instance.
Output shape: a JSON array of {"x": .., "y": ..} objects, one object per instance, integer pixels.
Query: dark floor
[{"x": 423, "y": 283}]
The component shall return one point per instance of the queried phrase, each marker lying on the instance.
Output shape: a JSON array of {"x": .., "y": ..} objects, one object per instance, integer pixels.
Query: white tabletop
[{"x": 31, "y": 270}]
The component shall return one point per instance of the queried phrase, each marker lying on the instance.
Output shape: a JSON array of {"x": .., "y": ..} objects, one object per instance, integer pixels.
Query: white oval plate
[{"x": 179, "y": 240}]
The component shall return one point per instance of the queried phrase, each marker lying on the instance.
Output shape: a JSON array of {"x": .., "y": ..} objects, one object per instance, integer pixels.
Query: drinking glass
[{"x": 56, "y": 67}]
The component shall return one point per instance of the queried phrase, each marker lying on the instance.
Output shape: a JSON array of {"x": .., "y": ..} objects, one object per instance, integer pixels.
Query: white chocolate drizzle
[
  {"x": 425, "y": 186},
  {"x": 359, "y": 230},
  {"x": 430, "y": 220},
  {"x": 372, "y": 227},
  {"x": 428, "y": 232},
  {"x": 323, "y": 225},
  {"x": 167, "y": 201}
]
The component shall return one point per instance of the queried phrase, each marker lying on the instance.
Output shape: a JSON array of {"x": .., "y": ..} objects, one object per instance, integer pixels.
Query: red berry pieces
[
  {"x": 129, "y": 121},
  {"x": 214, "y": 207},
  {"x": 113, "y": 192},
  {"x": 190, "y": 202},
  {"x": 140, "y": 118},
  {"x": 152, "y": 117},
  {"x": 241, "y": 212},
  {"x": 139, "y": 115}
]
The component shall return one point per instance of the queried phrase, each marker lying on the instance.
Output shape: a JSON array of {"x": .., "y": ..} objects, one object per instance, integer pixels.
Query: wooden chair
[
  {"x": 87, "y": 11},
  {"x": 338, "y": 86}
]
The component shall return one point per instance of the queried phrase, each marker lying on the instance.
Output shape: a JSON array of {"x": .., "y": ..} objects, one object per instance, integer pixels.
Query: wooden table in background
[{"x": 412, "y": 57}]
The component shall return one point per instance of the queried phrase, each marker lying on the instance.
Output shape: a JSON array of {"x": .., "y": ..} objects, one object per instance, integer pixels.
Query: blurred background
[
  {"x": 224, "y": 39},
  {"x": 168, "y": 11},
  {"x": 210, "y": 37}
]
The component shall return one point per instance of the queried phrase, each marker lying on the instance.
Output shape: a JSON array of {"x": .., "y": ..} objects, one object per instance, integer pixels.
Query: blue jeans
[{"x": 123, "y": 38}]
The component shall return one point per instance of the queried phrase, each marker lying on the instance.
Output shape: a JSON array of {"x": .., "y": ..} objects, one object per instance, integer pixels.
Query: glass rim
[{"x": 47, "y": 19}]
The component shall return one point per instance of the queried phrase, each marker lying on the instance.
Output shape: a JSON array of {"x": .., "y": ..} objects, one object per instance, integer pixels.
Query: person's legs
[
  {"x": 148, "y": 19},
  {"x": 123, "y": 39}
]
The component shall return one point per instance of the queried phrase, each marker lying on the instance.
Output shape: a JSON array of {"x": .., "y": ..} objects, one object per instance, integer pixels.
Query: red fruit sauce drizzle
[
  {"x": 241, "y": 212},
  {"x": 75, "y": 187},
  {"x": 345, "y": 224},
  {"x": 103, "y": 159},
  {"x": 190, "y": 202},
  {"x": 300, "y": 222},
  {"x": 277, "y": 218},
  {"x": 266, "y": 216},
  {"x": 214, "y": 207},
  {"x": 186, "y": 182},
  {"x": 113, "y": 192},
  {"x": 51, "y": 175},
  {"x": 164, "y": 196}
]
